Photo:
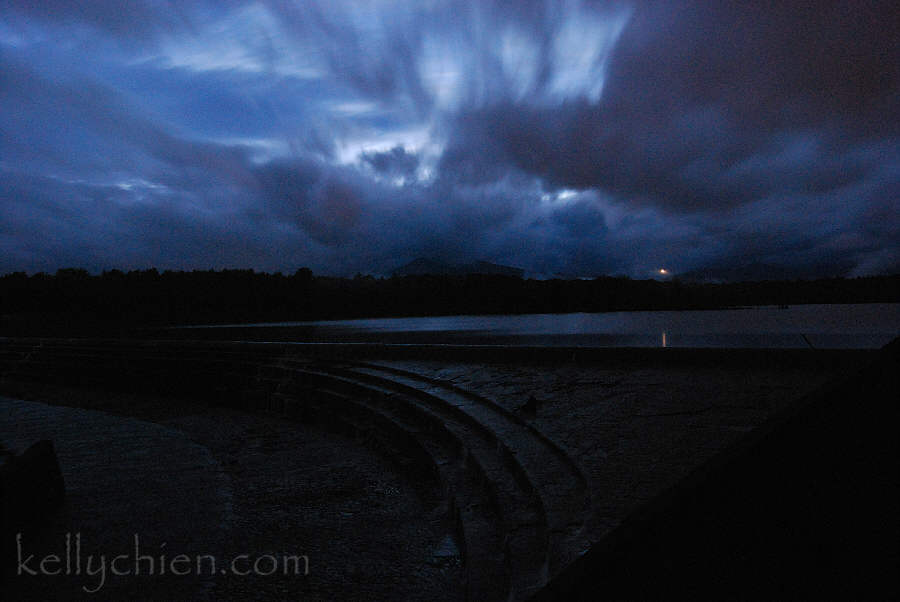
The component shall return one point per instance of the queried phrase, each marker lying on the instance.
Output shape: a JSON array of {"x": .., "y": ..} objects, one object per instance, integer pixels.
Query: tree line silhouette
[{"x": 74, "y": 301}]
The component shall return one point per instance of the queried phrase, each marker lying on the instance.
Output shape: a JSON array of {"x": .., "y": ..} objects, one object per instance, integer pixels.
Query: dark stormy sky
[{"x": 574, "y": 138}]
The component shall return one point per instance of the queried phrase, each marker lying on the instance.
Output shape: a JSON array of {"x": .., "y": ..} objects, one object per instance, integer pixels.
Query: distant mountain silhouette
[{"x": 422, "y": 266}]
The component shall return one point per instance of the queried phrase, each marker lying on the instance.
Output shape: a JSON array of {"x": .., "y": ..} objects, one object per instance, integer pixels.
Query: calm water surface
[{"x": 867, "y": 325}]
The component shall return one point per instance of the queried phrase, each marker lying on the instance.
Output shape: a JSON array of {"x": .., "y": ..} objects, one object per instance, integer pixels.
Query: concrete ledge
[{"x": 751, "y": 357}]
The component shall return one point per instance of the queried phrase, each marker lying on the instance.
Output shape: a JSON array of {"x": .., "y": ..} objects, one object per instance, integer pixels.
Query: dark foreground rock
[{"x": 31, "y": 487}]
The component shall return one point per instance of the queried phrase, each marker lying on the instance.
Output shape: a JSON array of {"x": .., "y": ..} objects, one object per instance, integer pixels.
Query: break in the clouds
[{"x": 574, "y": 138}]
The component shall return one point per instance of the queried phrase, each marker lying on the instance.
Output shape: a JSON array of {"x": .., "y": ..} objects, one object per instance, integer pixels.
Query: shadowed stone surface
[
  {"x": 123, "y": 477},
  {"x": 535, "y": 461},
  {"x": 216, "y": 481}
]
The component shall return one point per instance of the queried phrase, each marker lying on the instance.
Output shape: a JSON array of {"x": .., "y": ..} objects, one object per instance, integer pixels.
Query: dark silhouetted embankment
[{"x": 805, "y": 507}]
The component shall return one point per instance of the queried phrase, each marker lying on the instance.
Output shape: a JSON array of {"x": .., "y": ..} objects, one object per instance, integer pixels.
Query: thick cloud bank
[{"x": 572, "y": 138}]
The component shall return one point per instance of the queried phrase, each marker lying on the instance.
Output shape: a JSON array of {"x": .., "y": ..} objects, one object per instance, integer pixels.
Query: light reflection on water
[{"x": 822, "y": 326}]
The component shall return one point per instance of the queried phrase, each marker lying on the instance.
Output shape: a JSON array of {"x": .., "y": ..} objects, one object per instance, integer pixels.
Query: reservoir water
[{"x": 868, "y": 325}]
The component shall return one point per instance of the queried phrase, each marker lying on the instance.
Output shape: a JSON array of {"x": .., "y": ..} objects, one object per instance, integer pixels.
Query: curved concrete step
[
  {"x": 478, "y": 535},
  {"x": 525, "y": 541},
  {"x": 359, "y": 422},
  {"x": 339, "y": 402},
  {"x": 531, "y": 490},
  {"x": 558, "y": 480}
]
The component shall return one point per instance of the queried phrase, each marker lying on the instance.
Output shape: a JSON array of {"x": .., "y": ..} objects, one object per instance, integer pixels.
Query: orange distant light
[{"x": 663, "y": 271}]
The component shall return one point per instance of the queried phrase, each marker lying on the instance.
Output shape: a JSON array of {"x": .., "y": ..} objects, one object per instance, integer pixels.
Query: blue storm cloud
[{"x": 573, "y": 138}]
